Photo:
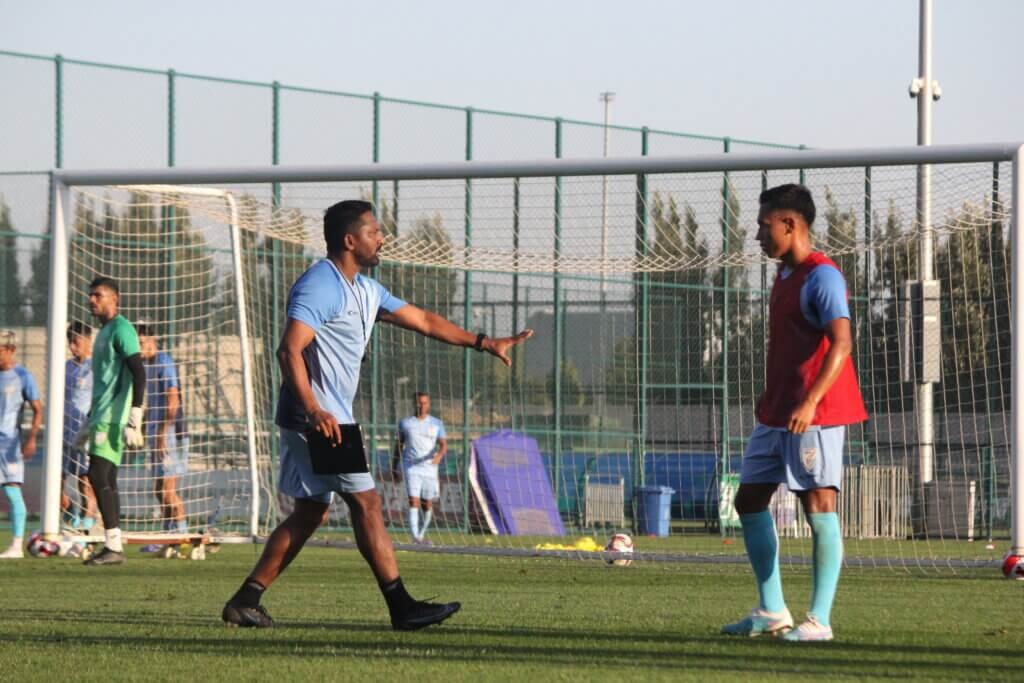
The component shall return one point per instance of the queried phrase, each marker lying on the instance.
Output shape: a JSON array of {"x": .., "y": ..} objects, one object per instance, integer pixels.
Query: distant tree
[{"x": 12, "y": 295}]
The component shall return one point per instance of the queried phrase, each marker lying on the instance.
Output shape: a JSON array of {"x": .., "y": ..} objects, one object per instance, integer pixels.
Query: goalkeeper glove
[{"x": 133, "y": 430}]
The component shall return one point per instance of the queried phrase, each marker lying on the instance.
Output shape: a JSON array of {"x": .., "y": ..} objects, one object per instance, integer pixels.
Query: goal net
[{"x": 630, "y": 408}]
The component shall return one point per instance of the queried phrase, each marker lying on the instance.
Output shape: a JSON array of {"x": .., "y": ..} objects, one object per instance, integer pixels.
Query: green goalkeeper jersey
[{"x": 111, "y": 378}]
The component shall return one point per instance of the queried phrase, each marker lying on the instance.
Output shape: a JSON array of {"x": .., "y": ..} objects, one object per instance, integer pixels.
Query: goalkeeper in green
[{"x": 115, "y": 414}]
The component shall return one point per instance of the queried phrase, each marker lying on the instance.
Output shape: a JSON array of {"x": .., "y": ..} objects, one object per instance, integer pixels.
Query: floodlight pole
[
  {"x": 926, "y": 91},
  {"x": 607, "y": 98}
]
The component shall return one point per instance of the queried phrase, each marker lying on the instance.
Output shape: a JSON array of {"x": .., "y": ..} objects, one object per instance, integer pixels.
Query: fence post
[
  {"x": 467, "y": 321},
  {"x": 643, "y": 322},
  {"x": 58, "y": 151},
  {"x": 557, "y": 323}
]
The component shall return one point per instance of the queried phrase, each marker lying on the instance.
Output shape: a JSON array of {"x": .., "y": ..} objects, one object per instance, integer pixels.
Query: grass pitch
[{"x": 521, "y": 619}]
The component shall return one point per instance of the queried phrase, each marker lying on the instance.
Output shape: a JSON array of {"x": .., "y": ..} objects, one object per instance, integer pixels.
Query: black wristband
[{"x": 479, "y": 343}]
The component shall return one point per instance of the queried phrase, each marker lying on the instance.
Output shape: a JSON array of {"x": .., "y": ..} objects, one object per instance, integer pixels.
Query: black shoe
[
  {"x": 246, "y": 616},
  {"x": 422, "y": 614},
  {"x": 106, "y": 556}
]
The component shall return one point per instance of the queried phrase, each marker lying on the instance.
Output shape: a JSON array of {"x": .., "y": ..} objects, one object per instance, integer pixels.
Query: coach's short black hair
[
  {"x": 343, "y": 219},
  {"x": 108, "y": 282},
  {"x": 77, "y": 328},
  {"x": 792, "y": 197},
  {"x": 421, "y": 394},
  {"x": 144, "y": 329}
]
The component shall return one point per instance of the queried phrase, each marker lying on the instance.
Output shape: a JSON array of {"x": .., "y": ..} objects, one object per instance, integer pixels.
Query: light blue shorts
[
  {"x": 298, "y": 480},
  {"x": 12, "y": 467},
  {"x": 812, "y": 460},
  {"x": 173, "y": 463},
  {"x": 421, "y": 481}
]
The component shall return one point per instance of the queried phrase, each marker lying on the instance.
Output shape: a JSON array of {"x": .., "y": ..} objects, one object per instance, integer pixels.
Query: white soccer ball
[
  {"x": 623, "y": 544},
  {"x": 38, "y": 546},
  {"x": 69, "y": 546}
]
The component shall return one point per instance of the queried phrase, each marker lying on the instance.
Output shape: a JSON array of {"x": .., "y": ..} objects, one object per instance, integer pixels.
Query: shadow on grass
[{"x": 573, "y": 647}]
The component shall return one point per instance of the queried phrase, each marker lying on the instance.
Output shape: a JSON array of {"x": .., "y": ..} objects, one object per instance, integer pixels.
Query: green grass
[{"x": 521, "y": 619}]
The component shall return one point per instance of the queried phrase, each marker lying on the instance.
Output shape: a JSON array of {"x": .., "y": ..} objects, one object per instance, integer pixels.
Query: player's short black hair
[
  {"x": 420, "y": 394},
  {"x": 792, "y": 197},
  {"x": 77, "y": 328},
  {"x": 144, "y": 330},
  {"x": 108, "y": 282},
  {"x": 343, "y": 219}
]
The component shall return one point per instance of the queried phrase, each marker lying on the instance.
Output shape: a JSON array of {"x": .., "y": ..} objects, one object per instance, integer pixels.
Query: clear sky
[{"x": 819, "y": 72}]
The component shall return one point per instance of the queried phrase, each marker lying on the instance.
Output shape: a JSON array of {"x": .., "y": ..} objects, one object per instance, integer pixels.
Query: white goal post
[{"x": 633, "y": 174}]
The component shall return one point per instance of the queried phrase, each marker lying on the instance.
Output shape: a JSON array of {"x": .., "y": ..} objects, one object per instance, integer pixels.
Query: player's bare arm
[
  {"x": 297, "y": 336},
  {"x": 841, "y": 346},
  {"x": 437, "y": 327},
  {"x": 442, "y": 449},
  {"x": 173, "y": 404},
  {"x": 28, "y": 449}
]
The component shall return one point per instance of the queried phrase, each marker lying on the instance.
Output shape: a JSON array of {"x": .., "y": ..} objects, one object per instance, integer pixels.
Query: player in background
[
  {"x": 166, "y": 437},
  {"x": 810, "y": 395},
  {"x": 421, "y": 447},
  {"x": 331, "y": 312},
  {"x": 17, "y": 387},
  {"x": 77, "y": 397},
  {"x": 115, "y": 415}
]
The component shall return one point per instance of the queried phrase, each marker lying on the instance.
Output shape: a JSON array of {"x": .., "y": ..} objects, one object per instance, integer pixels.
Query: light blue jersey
[
  {"x": 419, "y": 439},
  {"x": 16, "y": 387},
  {"x": 77, "y": 396},
  {"x": 342, "y": 314},
  {"x": 161, "y": 377}
]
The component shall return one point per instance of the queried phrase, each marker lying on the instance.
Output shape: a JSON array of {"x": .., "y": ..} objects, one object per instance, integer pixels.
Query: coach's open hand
[{"x": 500, "y": 347}]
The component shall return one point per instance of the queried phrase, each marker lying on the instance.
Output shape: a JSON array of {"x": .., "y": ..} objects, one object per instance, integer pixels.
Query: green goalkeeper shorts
[{"x": 107, "y": 441}]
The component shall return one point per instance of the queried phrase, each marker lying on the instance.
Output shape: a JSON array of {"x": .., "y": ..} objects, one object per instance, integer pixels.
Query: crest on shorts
[{"x": 808, "y": 456}]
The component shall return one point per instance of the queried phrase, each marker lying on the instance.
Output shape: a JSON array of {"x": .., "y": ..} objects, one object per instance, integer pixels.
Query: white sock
[
  {"x": 427, "y": 516},
  {"x": 113, "y": 539},
  {"x": 414, "y": 522}
]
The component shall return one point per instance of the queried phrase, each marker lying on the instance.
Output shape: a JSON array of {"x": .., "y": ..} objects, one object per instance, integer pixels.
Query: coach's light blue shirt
[
  {"x": 419, "y": 438},
  {"x": 342, "y": 314},
  {"x": 17, "y": 385}
]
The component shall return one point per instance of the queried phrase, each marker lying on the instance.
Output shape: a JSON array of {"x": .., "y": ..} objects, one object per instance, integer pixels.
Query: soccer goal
[{"x": 630, "y": 408}]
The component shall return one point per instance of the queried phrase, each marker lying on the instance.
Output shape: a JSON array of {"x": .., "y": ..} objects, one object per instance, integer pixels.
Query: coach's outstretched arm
[{"x": 436, "y": 327}]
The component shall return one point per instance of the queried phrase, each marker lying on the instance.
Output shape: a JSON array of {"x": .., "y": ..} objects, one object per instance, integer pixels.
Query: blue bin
[{"x": 653, "y": 509}]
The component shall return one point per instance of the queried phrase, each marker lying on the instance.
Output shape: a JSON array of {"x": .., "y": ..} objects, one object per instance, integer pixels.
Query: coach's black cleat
[
  {"x": 105, "y": 556},
  {"x": 421, "y": 614},
  {"x": 246, "y": 616}
]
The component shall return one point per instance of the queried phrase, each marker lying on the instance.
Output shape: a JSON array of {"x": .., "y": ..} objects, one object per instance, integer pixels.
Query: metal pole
[
  {"x": 170, "y": 215},
  {"x": 467, "y": 315},
  {"x": 56, "y": 322},
  {"x": 923, "y": 87},
  {"x": 607, "y": 98},
  {"x": 58, "y": 111},
  {"x": 726, "y": 215},
  {"x": 557, "y": 323},
  {"x": 643, "y": 320},
  {"x": 1017, "y": 339},
  {"x": 375, "y": 342}
]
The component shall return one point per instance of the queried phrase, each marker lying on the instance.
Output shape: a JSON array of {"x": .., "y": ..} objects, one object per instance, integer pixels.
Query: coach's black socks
[
  {"x": 249, "y": 594},
  {"x": 396, "y": 596}
]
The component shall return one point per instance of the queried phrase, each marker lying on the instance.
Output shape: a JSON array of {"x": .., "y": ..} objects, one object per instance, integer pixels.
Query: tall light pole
[
  {"x": 607, "y": 98},
  {"x": 926, "y": 90}
]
